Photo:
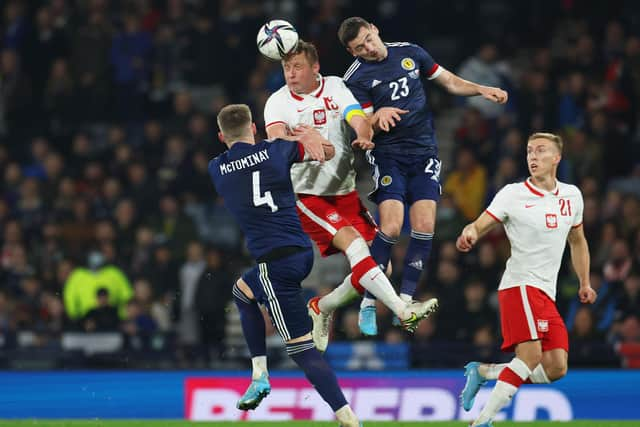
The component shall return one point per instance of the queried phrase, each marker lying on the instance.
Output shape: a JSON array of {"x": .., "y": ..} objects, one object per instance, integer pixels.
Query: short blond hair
[
  {"x": 234, "y": 121},
  {"x": 557, "y": 139},
  {"x": 308, "y": 49}
]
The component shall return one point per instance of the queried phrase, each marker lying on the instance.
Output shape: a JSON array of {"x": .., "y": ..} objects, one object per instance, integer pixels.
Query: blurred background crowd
[{"x": 116, "y": 251}]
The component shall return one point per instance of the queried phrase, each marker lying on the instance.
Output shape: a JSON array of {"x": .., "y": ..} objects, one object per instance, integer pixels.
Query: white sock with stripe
[
  {"x": 511, "y": 377},
  {"x": 369, "y": 275}
]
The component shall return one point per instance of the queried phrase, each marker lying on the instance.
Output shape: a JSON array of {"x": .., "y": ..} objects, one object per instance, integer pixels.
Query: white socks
[
  {"x": 342, "y": 295},
  {"x": 517, "y": 372},
  {"x": 259, "y": 364},
  {"x": 373, "y": 278},
  {"x": 538, "y": 375},
  {"x": 378, "y": 284},
  {"x": 499, "y": 398},
  {"x": 493, "y": 370},
  {"x": 357, "y": 251}
]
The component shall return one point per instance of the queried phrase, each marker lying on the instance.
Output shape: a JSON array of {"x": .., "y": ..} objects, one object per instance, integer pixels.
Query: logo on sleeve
[
  {"x": 319, "y": 117},
  {"x": 408, "y": 64},
  {"x": 552, "y": 221}
]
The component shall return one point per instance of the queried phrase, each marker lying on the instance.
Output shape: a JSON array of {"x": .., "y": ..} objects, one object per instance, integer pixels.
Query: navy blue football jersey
[
  {"x": 255, "y": 183},
  {"x": 398, "y": 81}
]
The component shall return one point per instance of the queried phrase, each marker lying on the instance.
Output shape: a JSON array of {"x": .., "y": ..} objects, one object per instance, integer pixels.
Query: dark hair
[
  {"x": 350, "y": 28},
  {"x": 233, "y": 120},
  {"x": 308, "y": 49}
]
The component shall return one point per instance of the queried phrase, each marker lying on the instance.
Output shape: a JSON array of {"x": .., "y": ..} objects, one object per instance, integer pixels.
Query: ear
[
  {"x": 221, "y": 137},
  {"x": 254, "y": 129},
  {"x": 375, "y": 30},
  {"x": 316, "y": 68}
]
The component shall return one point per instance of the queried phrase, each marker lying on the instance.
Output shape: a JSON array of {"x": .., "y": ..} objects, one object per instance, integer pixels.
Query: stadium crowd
[{"x": 109, "y": 221}]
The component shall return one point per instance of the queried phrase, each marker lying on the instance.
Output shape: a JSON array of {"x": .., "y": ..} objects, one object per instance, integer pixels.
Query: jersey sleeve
[
  {"x": 429, "y": 68},
  {"x": 213, "y": 173},
  {"x": 499, "y": 206},
  {"x": 292, "y": 151},
  {"x": 359, "y": 91},
  {"x": 274, "y": 112},
  {"x": 579, "y": 209},
  {"x": 346, "y": 102}
]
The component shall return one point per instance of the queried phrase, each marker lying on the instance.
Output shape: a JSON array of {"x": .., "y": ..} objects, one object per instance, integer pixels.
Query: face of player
[
  {"x": 543, "y": 157},
  {"x": 300, "y": 75},
  {"x": 368, "y": 45}
]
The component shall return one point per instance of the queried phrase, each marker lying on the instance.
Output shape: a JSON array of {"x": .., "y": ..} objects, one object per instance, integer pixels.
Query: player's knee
[
  {"x": 242, "y": 292},
  {"x": 556, "y": 371},
  {"x": 344, "y": 237},
  {"x": 391, "y": 229},
  {"x": 424, "y": 225}
]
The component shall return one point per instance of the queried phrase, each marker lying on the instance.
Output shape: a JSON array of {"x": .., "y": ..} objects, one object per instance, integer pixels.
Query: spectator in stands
[
  {"x": 83, "y": 283},
  {"x": 190, "y": 272},
  {"x": 483, "y": 68},
  {"x": 213, "y": 295},
  {"x": 104, "y": 316},
  {"x": 619, "y": 262},
  {"x": 603, "y": 310},
  {"x": 629, "y": 302},
  {"x": 467, "y": 184}
]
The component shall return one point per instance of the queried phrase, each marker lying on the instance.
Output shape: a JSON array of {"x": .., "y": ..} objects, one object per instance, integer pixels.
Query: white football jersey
[
  {"x": 537, "y": 223},
  {"x": 325, "y": 109}
]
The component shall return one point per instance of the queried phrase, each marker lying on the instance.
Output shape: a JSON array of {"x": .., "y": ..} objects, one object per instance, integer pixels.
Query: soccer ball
[{"x": 276, "y": 38}]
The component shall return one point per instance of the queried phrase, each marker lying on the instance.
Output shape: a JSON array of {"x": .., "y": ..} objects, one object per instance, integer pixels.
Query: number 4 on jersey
[{"x": 259, "y": 199}]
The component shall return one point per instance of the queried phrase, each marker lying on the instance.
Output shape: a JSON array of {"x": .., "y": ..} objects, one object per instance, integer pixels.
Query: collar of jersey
[
  {"x": 315, "y": 93},
  {"x": 539, "y": 191},
  {"x": 239, "y": 144}
]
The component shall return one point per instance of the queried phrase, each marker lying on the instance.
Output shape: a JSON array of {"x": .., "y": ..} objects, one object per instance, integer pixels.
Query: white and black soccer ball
[{"x": 276, "y": 38}]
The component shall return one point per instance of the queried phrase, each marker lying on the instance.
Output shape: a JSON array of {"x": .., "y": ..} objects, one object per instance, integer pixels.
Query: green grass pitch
[{"x": 167, "y": 423}]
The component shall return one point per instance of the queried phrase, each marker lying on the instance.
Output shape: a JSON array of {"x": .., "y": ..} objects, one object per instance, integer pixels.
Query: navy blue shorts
[
  {"x": 407, "y": 178},
  {"x": 276, "y": 284}
]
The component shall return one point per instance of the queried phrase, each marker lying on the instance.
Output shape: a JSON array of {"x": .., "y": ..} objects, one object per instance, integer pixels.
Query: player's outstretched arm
[
  {"x": 474, "y": 231},
  {"x": 459, "y": 86},
  {"x": 364, "y": 132},
  {"x": 581, "y": 260},
  {"x": 385, "y": 118}
]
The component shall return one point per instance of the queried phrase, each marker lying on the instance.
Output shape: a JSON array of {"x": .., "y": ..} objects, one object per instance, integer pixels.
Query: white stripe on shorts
[
  {"x": 528, "y": 313},
  {"x": 315, "y": 218},
  {"x": 274, "y": 305}
]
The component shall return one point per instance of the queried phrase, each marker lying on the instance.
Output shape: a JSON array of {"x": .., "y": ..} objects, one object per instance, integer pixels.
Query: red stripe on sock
[
  {"x": 359, "y": 270},
  {"x": 510, "y": 377}
]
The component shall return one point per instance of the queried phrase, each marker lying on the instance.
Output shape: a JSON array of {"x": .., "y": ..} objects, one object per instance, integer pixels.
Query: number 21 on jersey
[
  {"x": 258, "y": 198},
  {"x": 565, "y": 207}
]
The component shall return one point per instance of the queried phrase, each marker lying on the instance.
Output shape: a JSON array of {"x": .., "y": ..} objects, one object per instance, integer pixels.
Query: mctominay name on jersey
[{"x": 244, "y": 162}]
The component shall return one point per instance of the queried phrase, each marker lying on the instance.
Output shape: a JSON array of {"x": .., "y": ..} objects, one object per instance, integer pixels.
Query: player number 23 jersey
[
  {"x": 325, "y": 109},
  {"x": 537, "y": 223}
]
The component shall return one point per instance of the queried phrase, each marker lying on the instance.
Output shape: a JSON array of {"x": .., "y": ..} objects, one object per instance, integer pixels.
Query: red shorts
[
  {"x": 323, "y": 216},
  {"x": 526, "y": 314}
]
